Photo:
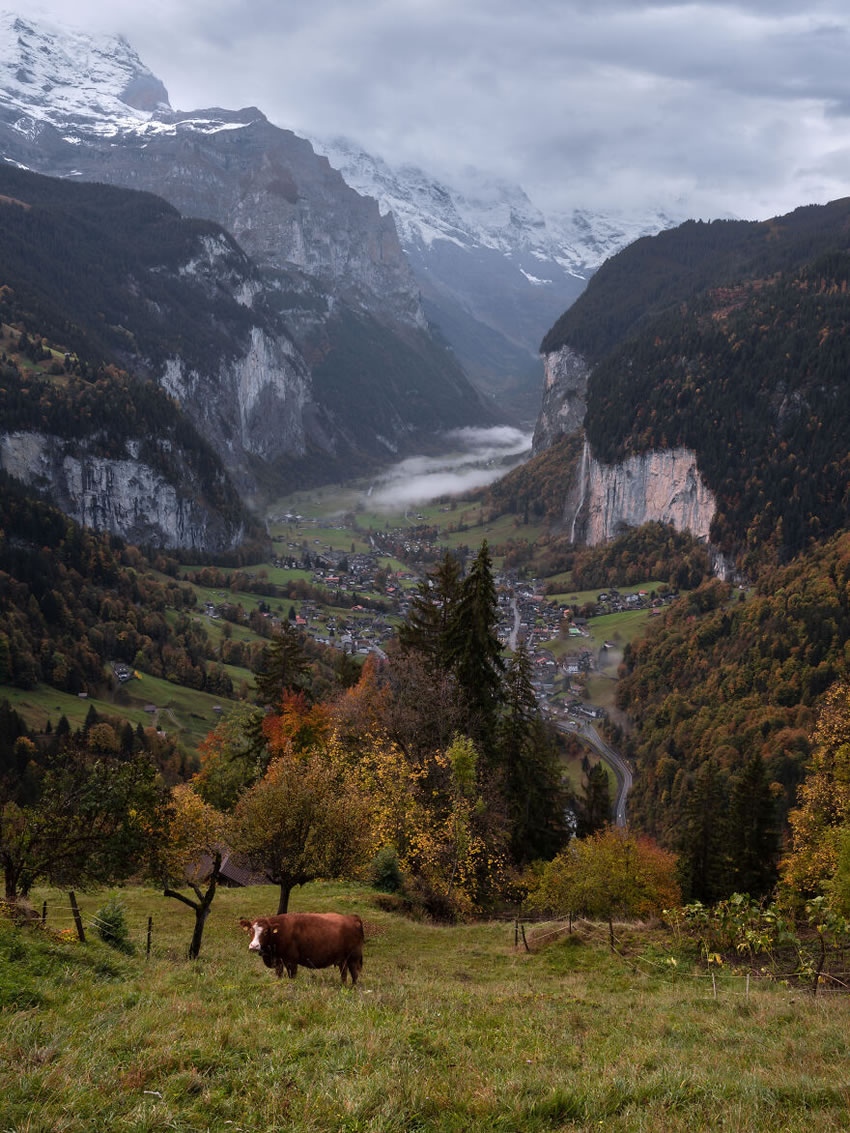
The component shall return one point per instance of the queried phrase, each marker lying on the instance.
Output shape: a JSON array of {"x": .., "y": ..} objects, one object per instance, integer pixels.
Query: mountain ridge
[{"x": 494, "y": 269}]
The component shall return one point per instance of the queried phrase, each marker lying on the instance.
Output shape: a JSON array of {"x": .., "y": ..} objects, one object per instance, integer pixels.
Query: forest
[
  {"x": 111, "y": 413},
  {"x": 725, "y": 695},
  {"x": 752, "y": 379}
]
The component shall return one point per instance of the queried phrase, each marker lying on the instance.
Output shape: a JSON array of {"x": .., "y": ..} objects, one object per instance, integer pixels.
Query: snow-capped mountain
[
  {"x": 494, "y": 269},
  {"x": 65, "y": 78},
  {"x": 488, "y": 213},
  {"x": 321, "y": 259}
]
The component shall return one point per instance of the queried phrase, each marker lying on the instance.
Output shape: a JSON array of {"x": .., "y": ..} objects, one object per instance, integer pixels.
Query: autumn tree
[
  {"x": 89, "y": 822},
  {"x": 232, "y": 757},
  {"x": 300, "y": 822},
  {"x": 188, "y": 854},
  {"x": 821, "y": 822},
  {"x": 611, "y": 874}
]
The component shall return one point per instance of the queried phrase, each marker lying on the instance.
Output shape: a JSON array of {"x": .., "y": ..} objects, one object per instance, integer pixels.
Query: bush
[
  {"x": 111, "y": 925},
  {"x": 385, "y": 872}
]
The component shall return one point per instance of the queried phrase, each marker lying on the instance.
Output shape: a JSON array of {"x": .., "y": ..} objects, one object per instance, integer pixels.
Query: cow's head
[{"x": 258, "y": 931}]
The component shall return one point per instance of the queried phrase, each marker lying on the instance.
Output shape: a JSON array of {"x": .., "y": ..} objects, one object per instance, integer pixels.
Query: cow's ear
[{"x": 245, "y": 924}]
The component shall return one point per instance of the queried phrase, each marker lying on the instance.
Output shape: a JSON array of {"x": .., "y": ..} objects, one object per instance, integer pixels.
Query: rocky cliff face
[
  {"x": 333, "y": 325},
  {"x": 126, "y": 497},
  {"x": 75, "y": 105},
  {"x": 285, "y": 205},
  {"x": 660, "y": 486},
  {"x": 565, "y": 376}
]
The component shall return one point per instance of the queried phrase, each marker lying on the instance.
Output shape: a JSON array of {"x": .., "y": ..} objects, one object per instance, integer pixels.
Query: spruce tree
[
  {"x": 753, "y": 831},
  {"x": 474, "y": 652},
  {"x": 703, "y": 839},
  {"x": 595, "y": 812},
  {"x": 283, "y": 665},
  {"x": 532, "y": 780},
  {"x": 431, "y": 611}
]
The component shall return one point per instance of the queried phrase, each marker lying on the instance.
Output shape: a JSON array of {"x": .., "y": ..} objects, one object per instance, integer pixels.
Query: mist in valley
[{"x": 474, "y": 458}]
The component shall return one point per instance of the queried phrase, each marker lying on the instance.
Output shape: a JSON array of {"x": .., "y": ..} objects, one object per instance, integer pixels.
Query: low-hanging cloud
[
  {"x": 476, "y": 458},
  {"x": 726, "y": 105}
]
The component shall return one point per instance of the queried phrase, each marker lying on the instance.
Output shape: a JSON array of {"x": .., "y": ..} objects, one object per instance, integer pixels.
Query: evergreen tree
[
  {"x": 283, "y": 665},
  {"x": 473, "y": 650},
  {"x": 753, "y": 831},
  {"x": 595, "y": 812},
  {"x": 431, "y": 610},
  {"x": 533, "y": 788},
  {"x": 703, "y": 839}
]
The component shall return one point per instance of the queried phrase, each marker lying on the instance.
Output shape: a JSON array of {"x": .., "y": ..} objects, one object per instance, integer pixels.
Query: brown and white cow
[{"x": 313, "y": 940}]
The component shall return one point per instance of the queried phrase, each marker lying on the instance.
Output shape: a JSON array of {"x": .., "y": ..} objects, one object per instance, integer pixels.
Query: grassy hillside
[{"x": 450, "y": 1029}]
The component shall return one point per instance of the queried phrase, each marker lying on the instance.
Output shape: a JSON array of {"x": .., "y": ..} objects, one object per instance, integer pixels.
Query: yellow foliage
[
  {"x": 818, "y": 824},
  {"x": 196, "y": 828}
]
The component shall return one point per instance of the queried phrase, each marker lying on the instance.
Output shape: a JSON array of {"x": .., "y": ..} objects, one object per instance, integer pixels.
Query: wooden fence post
[
  {"x": 525, "y": 942},
  {"x": 44, "y": 912},
  {"x": 148, "y": 945},
  {"x": 78, "y": 920},
  {"x": 516, "y": 933}
]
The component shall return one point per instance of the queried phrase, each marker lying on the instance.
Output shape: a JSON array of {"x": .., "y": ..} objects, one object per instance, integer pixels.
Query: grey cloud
[{"x": 733, "y": 106}]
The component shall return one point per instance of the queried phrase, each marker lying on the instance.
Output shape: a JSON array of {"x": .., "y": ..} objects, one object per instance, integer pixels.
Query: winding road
[{"x": 622, "y": 771}]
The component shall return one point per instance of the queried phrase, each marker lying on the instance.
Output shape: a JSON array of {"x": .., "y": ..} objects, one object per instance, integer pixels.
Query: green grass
[
  {"x": 577, "y": 598},
  {"x": 183, "y": 712},
  {"x": 451, "y": 1029},
  {"x": 42, "y": 703}
]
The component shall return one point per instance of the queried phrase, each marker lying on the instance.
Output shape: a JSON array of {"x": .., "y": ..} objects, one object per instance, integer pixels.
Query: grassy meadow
[{"x": 450, "y": 1029}]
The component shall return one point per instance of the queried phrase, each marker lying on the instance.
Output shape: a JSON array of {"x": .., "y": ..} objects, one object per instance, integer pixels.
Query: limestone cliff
[
  {"x": 126, "y": 497},
  {"x": 565, "y": 375},
  {"x": 660, "y": 486}
]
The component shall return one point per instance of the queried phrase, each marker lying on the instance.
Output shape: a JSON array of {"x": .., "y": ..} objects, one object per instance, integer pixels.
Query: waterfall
[{"x": 582, "y": 488}]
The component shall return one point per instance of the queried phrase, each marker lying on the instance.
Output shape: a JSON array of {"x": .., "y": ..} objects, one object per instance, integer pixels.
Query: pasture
[{"x": 451, "y": 1029}]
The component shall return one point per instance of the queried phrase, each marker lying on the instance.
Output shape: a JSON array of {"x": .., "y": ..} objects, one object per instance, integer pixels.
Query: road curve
[{"x": 622, "y": 771}]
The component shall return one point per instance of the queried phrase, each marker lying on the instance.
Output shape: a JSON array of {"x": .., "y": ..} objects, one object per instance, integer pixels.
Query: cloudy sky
[{"x": 739, "y": 108}]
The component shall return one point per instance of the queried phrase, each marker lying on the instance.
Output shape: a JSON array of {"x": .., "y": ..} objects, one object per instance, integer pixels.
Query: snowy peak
[
  {"x": 74, "y": 79},
  {"x": 495, "y": 270},
  {"x": 488, "y": 213}
]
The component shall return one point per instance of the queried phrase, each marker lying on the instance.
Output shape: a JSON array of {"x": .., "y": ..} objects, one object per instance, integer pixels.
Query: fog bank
[{"x": 474, "y": 459}]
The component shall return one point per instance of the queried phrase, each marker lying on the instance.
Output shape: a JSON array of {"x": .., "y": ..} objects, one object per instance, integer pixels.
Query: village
[{"x": 364, "y": 597}]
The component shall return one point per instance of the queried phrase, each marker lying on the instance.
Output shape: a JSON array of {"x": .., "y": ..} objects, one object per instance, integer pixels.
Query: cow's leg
[
  {"x": 278, "y": 968},
  {"x": 291, "y": 970},
  {"x": 343, "y": 970},
  {"x": 355, "y": 966}
]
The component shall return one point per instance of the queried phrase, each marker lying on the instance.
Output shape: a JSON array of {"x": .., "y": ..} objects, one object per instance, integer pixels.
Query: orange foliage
[{"x": 298, "y": 726}]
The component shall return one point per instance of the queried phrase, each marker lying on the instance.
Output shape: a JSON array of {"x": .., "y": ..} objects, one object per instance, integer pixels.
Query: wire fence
[
  {"x": 59, "y": 916},
  {"x": 720, "y": 977}
]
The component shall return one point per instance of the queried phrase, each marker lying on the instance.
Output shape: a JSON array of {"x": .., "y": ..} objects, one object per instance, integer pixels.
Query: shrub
[
  {"x": 385, "y": 872},
  {"x": 111, "y": 925}
]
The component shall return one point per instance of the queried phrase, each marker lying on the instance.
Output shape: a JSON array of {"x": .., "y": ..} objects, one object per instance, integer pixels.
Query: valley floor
[{"x": 450, "y": 1029}]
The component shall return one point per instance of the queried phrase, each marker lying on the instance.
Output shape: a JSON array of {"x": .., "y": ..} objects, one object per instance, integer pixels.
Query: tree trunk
[
  {"x": 201, "y": 907},
  {"x": 611, "y": 933},
  {"x": 78, "y": 920},
  {"x": 11, "y": 881},
  {"x": 283, "y": 903},
  {"x": 201, "y": 913}
]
